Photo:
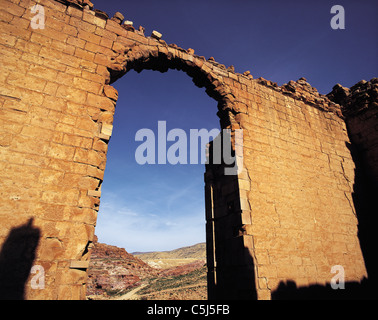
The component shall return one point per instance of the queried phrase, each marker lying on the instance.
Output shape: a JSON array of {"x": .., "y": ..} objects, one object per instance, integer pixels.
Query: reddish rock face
[{"x": 113, "y": 269}]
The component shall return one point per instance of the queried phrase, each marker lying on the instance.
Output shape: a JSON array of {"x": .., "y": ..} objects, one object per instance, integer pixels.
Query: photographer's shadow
[{"x": 16, "y": 259}]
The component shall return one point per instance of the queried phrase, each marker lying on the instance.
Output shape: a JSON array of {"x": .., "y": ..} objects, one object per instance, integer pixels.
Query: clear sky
[{"x": 161, "y": 207}]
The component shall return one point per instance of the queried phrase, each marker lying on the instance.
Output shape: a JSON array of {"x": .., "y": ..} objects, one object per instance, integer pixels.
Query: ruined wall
[
  {"x": 301, "y": 178},
  {"x": 360, "y": 110},
  {"x": 291, "y": 217},
  {"x": 297, "y": 217}
]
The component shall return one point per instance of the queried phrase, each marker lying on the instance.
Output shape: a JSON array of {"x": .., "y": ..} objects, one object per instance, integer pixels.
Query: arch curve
[{"x": 162, "y": 57}]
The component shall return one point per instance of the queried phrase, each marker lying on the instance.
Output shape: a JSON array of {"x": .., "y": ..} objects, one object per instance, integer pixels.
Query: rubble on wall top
[
  {"x": 341, "y": 101},
  {"x": 303, "y": 91},
  {"x": 128, "y": 25},
  {"x": 79, "y": 3},
  {"x": 361, "y": 96}
]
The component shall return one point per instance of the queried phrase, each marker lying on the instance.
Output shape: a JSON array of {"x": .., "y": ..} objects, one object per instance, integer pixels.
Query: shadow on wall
[
  {"x": 365, "y": 191},
  {"x": 230, "y": 264},
  {"x": 16, "y": 259},
  {"x": 352, "y": 291}
]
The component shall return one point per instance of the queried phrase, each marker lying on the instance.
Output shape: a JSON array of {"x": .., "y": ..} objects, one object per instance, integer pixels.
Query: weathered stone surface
[
  {"x": 118, "y": 17},
  {"x": 111, "y": 92}
]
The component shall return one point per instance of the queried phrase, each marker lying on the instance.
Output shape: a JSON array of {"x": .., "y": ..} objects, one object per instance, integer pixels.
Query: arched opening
[
  {"x": 155, "y": 207},
  {"x": 144, "y": 100},
  {"x": 229, "y": 264}
]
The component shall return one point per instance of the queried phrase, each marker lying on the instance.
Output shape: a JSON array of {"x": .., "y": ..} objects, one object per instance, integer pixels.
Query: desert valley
[{"x": 115, "y": 274}]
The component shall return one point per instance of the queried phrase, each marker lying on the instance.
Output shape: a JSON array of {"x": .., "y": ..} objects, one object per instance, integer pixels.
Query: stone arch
[
  {"x": 161, "y": 57},
  {"x": 227, "y": 281},
  {"x": 67, "y": 111}
]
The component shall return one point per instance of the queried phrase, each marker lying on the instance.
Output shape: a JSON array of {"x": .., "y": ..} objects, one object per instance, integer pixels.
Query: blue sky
[
  {"x": 161, "y": 207},
  {"x": 154, "y": 207}
]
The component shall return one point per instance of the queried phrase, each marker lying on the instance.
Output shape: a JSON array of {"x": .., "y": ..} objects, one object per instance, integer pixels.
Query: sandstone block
[
  {"x": 90, "y": 37},
  {"x": 118, "y": 16},
  {"x": 100, "y": 102},
  {"x": 94, "y": 193},
  {"x": 111, "y": 92},
  {"x": 92, "y": 19},
  {"x": 79, "y": 264},
  {"x": 157, "y": 35},
  {"x": 115, "y": 27},
  {"x": 72, "y": 94}
]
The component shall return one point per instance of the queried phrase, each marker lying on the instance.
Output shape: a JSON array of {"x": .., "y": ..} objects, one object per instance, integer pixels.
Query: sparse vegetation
[
  {"x": 190, "y": 286},
  {"x": 196, "y": 277},
  {"x": 116, "y": 274},
  {"x": 197, "y": 251}
]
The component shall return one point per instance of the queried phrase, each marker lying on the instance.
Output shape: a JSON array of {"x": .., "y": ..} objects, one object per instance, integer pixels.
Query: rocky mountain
[
  {"x": 197, "y": 251},
  {"x": 116, "y": 274},
  {"x": 113, "y": 269}
]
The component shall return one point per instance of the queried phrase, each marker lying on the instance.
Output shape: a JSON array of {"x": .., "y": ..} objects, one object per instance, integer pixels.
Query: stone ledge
[{"x": 79, "y": 264}]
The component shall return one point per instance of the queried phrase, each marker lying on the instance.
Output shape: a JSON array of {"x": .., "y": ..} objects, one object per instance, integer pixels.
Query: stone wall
[
  {"x": 360, "y": 110},
  {"x": 301, "y": 173},
  {"x": 291, "y": 217}
]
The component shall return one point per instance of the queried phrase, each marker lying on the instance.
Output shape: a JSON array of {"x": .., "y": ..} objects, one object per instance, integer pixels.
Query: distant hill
[
  {"x": 179, "y": 274},
  {"x": 197, "y": 251}
]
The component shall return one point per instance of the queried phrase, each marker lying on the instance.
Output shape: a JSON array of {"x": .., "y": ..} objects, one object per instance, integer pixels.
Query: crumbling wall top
[
  {"x": 363, "y": 95},
  {"x": 299, "y": 90},
  {"x": 303, "y": 91}
]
